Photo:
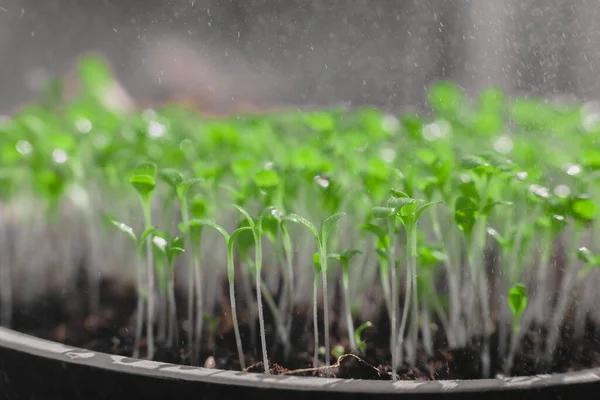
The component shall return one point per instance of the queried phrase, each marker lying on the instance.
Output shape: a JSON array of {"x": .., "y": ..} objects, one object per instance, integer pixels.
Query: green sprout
[
  {"x": 256, "y": 229},
  {"x": 65, "y": 162},
  {"x": 229, "y": 241},
  {"x": 143, "y": 181},
  {"x": 517, "y": 301},
  {"x": 322, "y": 256},
  {"x": 142, "y": 290},
  {"x": 180, "y": 188},
  {"x": 344, "y": 259},
  {"x": 360, "y": 344}
]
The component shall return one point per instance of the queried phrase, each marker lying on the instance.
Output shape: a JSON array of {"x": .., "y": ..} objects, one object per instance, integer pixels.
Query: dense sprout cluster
[{"x": 408, "y": 209}]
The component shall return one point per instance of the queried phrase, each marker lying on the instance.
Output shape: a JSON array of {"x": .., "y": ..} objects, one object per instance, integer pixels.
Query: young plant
[
  {"x": 345, "y": 259},
  {"x": 143, "y": 181},
  {"x": 517, "y": 301},
  {"x": 321, "y": 239},
  {"x": 408, "y": 211},
  {"x": 170, "y": 247},
  {"x": 229, "y": 241},
  {"x": 256, "y": 229},
  {"x": 142, "y": 299},
  {"x": 180, "y": 188},
  {"x": 361, "y": 345}
]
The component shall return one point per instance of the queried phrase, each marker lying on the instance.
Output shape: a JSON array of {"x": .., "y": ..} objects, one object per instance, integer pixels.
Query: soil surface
[{"x": 66, "y": 318}]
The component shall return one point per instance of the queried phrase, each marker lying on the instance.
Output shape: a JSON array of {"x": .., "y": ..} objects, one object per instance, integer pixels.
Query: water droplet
[
  {"x": 522, "y": 175},
  {"x": 573, "y": 169},
  {"x": 436, "y": 130},
  {"x": 503, "y": 144},
  {"x": 159, "y": 242},
  {"x": 321, "y": 181},
  {"x": 24, "y": 147},
  {"x": 60, "y": 156},
  {"x": 388, "y": 155},
  {"x": 83, "y": 125},
  {"x": 562, "y": 191},
  {"x": 268, "y": 165},
  {"x": 156, "y": 129},
  {"x": 390, "y": 124}
]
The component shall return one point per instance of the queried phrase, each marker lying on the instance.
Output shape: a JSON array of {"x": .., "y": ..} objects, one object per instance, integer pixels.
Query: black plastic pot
[{"x": 32, "y": 368}]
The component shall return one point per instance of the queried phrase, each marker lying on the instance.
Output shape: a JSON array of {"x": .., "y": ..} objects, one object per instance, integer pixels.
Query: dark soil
[{"x": 66, "y": 318}]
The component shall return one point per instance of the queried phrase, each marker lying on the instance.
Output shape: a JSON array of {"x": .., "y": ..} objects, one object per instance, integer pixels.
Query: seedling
[
  {"x": 316, "y": 164},
  {"x": 517, "y": 301},
  {"x": 143, "y": 181},
  {"x": 143, "y": 296},
  {"x": 321, "y": 261},
  {"x": 256, "y": 229},
  {"x": 229, "y": 239},
  {"x": 344, "y": 259},
  {"x": 360, "y": 344},
  {"x": 180, "y": 188}
]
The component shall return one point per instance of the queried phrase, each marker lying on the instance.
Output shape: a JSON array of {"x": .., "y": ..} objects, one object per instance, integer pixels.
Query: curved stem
[
  {"x": 191, "y": 277},
  {"x": 349, "y": 321},
  {"x": 394, "y": 295},
  {"x": 261, "y": 318},
  {"x": 316, "y": 320},
  {"x": 150, "y": 283}
]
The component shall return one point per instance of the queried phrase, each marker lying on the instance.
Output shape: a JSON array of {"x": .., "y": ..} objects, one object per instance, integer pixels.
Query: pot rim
[{"x": 32, "y": 345}]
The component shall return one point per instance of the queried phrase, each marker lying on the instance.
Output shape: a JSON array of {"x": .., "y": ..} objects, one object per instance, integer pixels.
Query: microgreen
[
  {"x": 256, "y": 229},
  {"x": 503, "y": 208},
  {"x": 321, "y": 262},
  {"x": 345, "y": 259},
  {"x": 143, "y": 181},
  {"x": 360, "y": 344},
  {"x": 229, "y": 239}
]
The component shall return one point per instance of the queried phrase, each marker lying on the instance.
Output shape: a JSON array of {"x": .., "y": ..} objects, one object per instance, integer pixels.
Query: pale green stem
[
  {"x": 150, "y": 284},
  {"x": 394, "y": 295},
  {"x": 261, "y": 318}
]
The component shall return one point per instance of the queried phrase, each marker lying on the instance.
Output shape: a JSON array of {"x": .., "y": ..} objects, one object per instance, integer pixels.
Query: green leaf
[
  {"x": 584, "y": 209},
  {"x": 301, "y": 220},
  {"x": 585, "y": 255},
  {"x": 472, "y": 162},
  {"x": 397, "y": 193},
  {"x": 360, "y": 344},
  {"x": 330, "y": 222},
  {"x": 465, "y": 214},
  {"x": 176, "y": 247},
  {"x": 399, "y": 202},
  {"x": 266, "y": 179},
  {"x": 143, "y": 179},
  {"x": 490, "y": 205},
  {"x": 125, "y": 229},
  {"x": 517, "y": 301},
  {"x": 183, "y": 187},
  {"x": 350, "y": 253},
  {"x": 171, "y": 177},
  {"x": 246, "y": 215},
  {"x": 382, "y": 212},
  {"x": 422, "y": 208},
  {"x": 198, "y": 207},
  {"x": 197, "y": 222},
  {"x": 374, "y": 229}
]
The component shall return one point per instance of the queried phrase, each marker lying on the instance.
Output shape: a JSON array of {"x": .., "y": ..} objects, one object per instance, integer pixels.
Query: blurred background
[{"x": 310, "y": 52}]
